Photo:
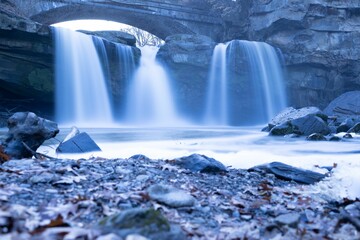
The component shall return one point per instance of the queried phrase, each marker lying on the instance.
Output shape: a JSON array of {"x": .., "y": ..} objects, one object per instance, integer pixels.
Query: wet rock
[
  {"x": 334, "y": 139},
  {"x": 347, "y": 104},
  {"x": 290, "y": 219},
  {"x": 345, "y": 125},
  {"x": 81, "y": 143},
  {"x": 287, "y": 172},
  {"x": 170, "y": 196},
  {"x": 348, "y": 135},
  {"x": 201, "y": 163},
  {"x": 303, "y": 121},
  {"x": 291, "y": 113},
  {"x": 282, "y": 130},
  {"x": 146, "y": 222},
  {"x": 316, "y": 137},
  {"x": 26, "y": 127},
  {"x": 302, "y": 126},
  {"x": 355, "y": 129}
]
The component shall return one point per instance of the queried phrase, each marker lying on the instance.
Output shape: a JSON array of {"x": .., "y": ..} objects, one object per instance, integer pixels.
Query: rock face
[
  {"x": 26, "y": 127},
  {"x": 319, "y": 43},
  {"x": 26, "y": 71},
  {"x": 188, "y": 59}
]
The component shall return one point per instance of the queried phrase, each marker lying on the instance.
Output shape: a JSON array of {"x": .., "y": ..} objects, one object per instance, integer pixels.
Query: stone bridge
[{"x": 160, "y": 17}]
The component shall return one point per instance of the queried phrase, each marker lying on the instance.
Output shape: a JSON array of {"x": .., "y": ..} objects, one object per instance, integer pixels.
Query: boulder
[
  {"x": 303, "y": 126},
  {"x": 346, "y": 105},
  {"x": 355, "y": 129},
  {"x": 316, "y": 137},
  {"x": 144, "y": 221},
  {"x": 345, "y": 125},
  {"x": 80, "y": 143},
  {"x": 291, "y": 113},
  {"x": 170, "y": 196},
  {"x": 289, "y": 173},
  {"x": 200, "y": 163},
  {"x": 28, "y": 128}
]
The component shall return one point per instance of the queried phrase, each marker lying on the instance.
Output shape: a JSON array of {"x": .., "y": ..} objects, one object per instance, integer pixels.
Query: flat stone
[
  {"x": 170, "y": 196},
  {"x": 290, "y": 219},
  {"x": 287, "y": 172},
  {"x": 81, "y": 143}
]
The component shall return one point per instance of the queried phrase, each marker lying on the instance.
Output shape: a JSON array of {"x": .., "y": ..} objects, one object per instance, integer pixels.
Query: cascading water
[
  {"x": 81, "y": 94},
  {"x": 217, "y": 99},
  {"x": 150, "y": 99},
  {"x": 252, "y": 74}
]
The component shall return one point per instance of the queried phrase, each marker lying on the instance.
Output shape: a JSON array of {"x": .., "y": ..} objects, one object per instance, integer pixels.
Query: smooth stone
[
  {"x": 170, "y": 196},
  {"x": 316, "y": 137},
  {"x": 334, "y": 139},
  {"x": 200, "y": 163},
  {"x": 42, "y": 178},
  {"x": 291, "y": 113},
  {"x": 81, "y": 143},
  {"x": 290, "y": 219},
  {"x": 289, "y": 173},
  {"x": 348, "y": 135}
]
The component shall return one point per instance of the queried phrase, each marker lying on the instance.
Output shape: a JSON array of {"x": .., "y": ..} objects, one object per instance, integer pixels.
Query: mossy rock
[{"x": 144, "y": 221}]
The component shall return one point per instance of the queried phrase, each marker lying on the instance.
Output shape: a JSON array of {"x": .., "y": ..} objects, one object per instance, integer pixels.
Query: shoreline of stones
[{"x": 141, "y": 198}]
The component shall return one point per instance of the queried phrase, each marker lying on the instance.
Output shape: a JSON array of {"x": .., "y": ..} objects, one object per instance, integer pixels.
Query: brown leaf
[{"x": 3, "y": 156}]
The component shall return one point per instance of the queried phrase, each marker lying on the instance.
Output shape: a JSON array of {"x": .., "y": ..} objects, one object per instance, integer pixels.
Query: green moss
[
  {"x": 147, "y": 221},
  {"x": 41, "y": 79}
]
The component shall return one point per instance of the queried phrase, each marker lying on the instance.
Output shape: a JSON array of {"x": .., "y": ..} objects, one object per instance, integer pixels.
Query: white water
[
  {"x": 266, "y": 76},
  {"x": 236, "y": 147},
  {"x": 217, "y": 97},
  {"x": 264, "y": 96},
  {"x": 150, "y": 98},
  {"x": 81, "y": 93}
]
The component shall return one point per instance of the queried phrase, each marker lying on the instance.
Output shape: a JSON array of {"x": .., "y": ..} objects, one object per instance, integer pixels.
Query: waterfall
[
  {"x": 217, "y": 99},
  {"x": 150, "y": 99},
  {"x": 81, "y": 93},
  {"x": 245, "y": 84}
]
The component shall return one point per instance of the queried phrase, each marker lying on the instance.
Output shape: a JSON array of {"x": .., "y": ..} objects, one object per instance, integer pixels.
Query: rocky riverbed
[{"x": 139, "y": 198}]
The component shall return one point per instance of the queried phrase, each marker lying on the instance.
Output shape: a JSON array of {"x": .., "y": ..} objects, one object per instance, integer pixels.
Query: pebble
[{"x": 170, "y": 196}]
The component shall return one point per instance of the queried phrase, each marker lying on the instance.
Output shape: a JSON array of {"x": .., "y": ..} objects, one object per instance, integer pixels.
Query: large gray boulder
[
  {"x": 304, "y": 121},
  {"x": 347, "y": 104},
  {"x": 26, "y": 127}
]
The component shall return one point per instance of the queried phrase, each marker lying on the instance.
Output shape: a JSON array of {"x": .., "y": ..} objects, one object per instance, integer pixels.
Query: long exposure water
[
  {"x": 81, "y": 94},
  {"x": 217, "y": 98},
  {"x": 253, "y": 93},
  {"x": 150, "y": 98}
]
